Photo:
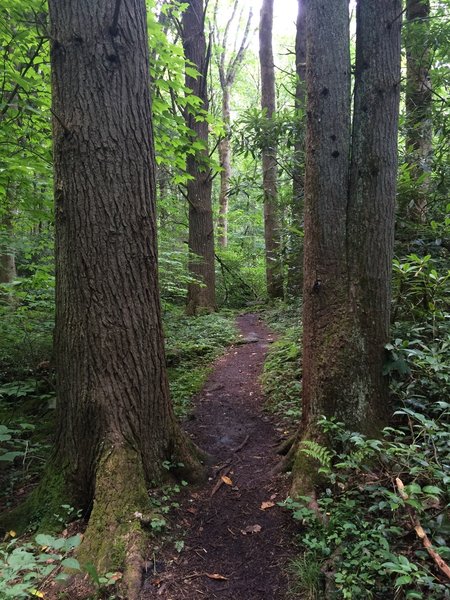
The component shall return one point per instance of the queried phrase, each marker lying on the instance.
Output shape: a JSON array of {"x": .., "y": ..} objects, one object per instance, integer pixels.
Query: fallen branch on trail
[
  {"x": 438, "y": 560},
  {"x": 220, "y": 481}
]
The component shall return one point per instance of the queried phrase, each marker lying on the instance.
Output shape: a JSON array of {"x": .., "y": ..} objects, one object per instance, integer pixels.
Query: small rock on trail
[{"x": 237, "y": 539}]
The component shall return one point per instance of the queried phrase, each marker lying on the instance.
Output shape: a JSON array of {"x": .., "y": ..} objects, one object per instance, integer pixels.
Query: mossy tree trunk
[
  {"x": 349, "y": 217},
  {"x": 272, "y": 232},
  {"x": 115, "y": 423},
  {"x": 199, "y": 187}
]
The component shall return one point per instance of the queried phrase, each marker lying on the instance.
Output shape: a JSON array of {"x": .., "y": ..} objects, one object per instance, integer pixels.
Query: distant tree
[
  {"x": 419, "y": 123},
  {"x": 7, "y": 254},
  {"x": 24, "y": 130},
  {"x": 272, "y": 232},
  {"x": 199, "y": 186},
  {"x": 228, "y": 64},
  {"x": 115, "y": 424},
  {"x": 350, "y": 188},
  {"x": 295, "y": 258}
]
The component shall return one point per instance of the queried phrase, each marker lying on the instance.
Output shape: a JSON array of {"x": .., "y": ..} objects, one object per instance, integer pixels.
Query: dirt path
[{"x": 227, "y": 533}]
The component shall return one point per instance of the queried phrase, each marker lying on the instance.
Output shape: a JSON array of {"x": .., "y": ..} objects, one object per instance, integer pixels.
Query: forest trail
[{"x": 228, "y": 534}]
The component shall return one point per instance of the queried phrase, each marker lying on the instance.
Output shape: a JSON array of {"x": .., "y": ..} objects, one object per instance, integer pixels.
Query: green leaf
[
  {"x": 45, "y": 540},
  {"x": 403, "y": 580},
  {"x": 71, "y": 563},
  {"x": 10, "y": 456}
]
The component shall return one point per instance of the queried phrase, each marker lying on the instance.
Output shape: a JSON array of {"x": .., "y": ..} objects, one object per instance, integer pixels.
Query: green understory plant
[
  {"x": 26, "y": 566},
  {"x": 360, "y": 532}
]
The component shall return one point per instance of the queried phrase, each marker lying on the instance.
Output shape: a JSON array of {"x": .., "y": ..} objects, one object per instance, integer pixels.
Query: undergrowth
[
  {"x": 27, "y": 402},
  {"x": 358, "y": 539},
  {"x": 192, "y": 343},
  {"x": 281, "y": 378}
]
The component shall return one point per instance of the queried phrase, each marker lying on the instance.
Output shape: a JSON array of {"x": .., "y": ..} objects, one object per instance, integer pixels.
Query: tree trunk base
[
  {"x": 305, "y": 469},
  {"x": 117, "y": 534}
]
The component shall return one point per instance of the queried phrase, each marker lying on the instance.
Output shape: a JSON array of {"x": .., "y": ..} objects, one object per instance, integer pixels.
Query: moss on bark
[
  {"x": 305, "y": 469},
  {"x": 120, "y": 501}
]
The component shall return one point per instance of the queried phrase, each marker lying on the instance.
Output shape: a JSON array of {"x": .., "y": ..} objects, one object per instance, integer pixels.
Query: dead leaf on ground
[
  {"x": 226, "y": 480},
  {"x": 266, "y": 505},
  {"x": 251, "y": 529},
  {"x": 216, "y": 576}
]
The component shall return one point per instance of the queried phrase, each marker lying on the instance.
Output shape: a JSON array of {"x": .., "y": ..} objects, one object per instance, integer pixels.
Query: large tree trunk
[
  {"x": 419, "y": 123},
  {"x": 115, "y": 424},
  {"x": 326, "y": 188},
  {"x": 201, "y": 230},
  {"x": 371, "y": 207},
  {"x": 349, "y": 221},
  {"x": 272, "y": 234},
  {"x": 295, "y": 259},
  {"x": 225, "y": 174}
]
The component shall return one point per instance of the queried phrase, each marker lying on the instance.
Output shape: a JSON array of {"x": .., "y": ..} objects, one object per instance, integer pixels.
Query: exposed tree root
[
  {"x": 305, "y": 469},
  {"x": 116, "y": 536},
  {"x": 287, "y": 444}
]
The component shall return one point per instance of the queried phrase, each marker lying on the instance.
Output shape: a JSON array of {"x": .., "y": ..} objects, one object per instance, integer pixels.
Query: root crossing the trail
[{"x": 237, "y": 539}]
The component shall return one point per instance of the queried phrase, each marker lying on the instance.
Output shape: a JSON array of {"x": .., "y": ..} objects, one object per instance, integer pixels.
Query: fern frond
[{"x": 317, "y": 452}]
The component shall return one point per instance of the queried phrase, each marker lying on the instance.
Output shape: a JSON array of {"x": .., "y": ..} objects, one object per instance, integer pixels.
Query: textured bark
[
  {"x": 349, "y": 217},
  {"x": 419, "y": 124},
  {"x": 272, "y": 234},
  {"x": 326, "y": 189},
  {"x": 371, "y": 208},
  {"x": 201, "y": 229},
  {"x": 113, "y": 411},
  {"x": 295, "y": 258}
]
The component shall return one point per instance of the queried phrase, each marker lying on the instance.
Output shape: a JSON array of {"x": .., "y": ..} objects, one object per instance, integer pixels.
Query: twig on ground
[
  {"x": 220, "y": 481},
  {"x": 241, "y": 445},
  {"x": 438, "y": 560}
]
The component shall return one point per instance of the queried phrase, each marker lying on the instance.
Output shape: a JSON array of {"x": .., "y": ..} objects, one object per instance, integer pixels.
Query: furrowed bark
[
  {"x": 115, "y": 422},
  {"x": 349, "y": 219}
]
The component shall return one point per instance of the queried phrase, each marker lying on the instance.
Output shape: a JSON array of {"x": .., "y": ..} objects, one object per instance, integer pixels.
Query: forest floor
[{"x": 237, "y": 539}]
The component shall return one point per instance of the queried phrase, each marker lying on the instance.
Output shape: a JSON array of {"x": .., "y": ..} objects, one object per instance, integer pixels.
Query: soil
[{"x": 235, "y": 546}]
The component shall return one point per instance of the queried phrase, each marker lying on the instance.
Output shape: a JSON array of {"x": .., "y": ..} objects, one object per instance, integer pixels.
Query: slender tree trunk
[
  {"x": 115, "y": 423},
  {"x": 228, "y": 68},
  {"x": 7, "y": 267},
  {"x": 272, "y": 232},
  {"x": 419, "y": 124},
  {"x": 295, "y": 265},
  {"x": 225, "y": 174},
  {"x": 7, "y": 257},
  {"x": 349, "y": 219},
  {"x": 201, "y": 230}
]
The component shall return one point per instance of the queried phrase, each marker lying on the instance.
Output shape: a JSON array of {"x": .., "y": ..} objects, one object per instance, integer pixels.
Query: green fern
[{"x": 318, "y": 452}]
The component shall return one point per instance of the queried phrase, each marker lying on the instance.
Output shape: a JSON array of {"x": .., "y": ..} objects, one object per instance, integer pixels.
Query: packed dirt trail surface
[{"x": 235, "y": 546}]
